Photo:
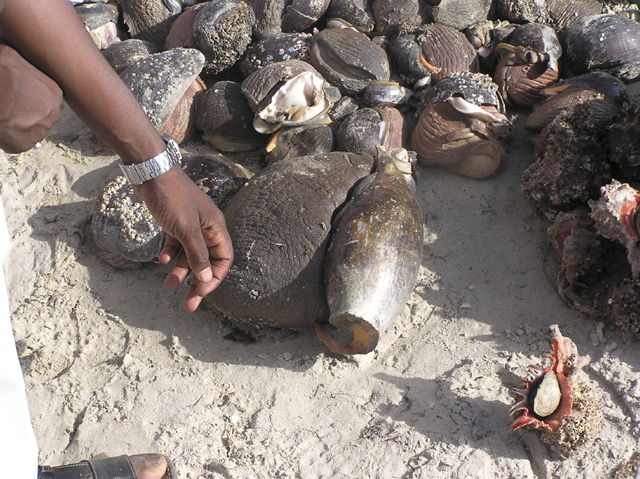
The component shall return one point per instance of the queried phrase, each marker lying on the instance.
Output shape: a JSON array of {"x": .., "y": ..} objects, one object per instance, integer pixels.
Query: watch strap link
[{"x": 138, "y": 173}]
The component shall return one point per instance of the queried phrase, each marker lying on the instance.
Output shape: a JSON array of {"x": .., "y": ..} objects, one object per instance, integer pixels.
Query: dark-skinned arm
[{"x": 50, "y": 36}]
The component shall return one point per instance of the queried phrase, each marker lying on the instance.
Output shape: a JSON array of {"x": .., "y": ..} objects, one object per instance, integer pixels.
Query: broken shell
[
  {"x": 299, "y": 101},
  {"x": 161, "y": 82},
  {"x": 279, "y": 224},
  {"x": 149, "y": 20},
  {"x": 616, "y": 217},
  {"x": 307, "y": 140},
  {"x": 461, "y": 14},
  {"x": 301, "y": 14},
  {"x": 363, "y": 131},
  {"x": 122, "y": 55},
  {"x": 528, "y": 64},
  {"x": 446, "y": 51},
  {"x": 372, "y": 262},
  {"x": 225, "y": 117},
  {"x": 282, "y": 47},
  {"x": 348, "y": 59},
  {"x": 100, "y": 20},
  {"x": 608, "y": 43},
  {"x": 222, "y": 31}
]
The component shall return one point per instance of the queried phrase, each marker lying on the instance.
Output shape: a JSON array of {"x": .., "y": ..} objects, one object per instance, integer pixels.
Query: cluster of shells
[{"x": 305, "y": 78}]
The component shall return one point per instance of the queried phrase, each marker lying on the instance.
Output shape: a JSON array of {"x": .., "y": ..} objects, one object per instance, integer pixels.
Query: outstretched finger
[
  {"x": 171, "y": 249},
  {"x": 192, "y": 299},
  {"x": 178, "y": 273}
]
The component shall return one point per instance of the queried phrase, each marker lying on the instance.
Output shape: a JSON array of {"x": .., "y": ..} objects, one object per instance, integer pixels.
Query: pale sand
[{"x": 114, "y": 365}]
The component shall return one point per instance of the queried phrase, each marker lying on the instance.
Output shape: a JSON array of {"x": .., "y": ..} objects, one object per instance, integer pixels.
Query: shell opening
[
  {"x": 298, "y": 101},
  {"x": 348, "y": 335}
]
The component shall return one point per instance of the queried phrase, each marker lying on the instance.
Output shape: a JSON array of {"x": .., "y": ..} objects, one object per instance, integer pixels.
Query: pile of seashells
[{"x": 362, "y": 90}]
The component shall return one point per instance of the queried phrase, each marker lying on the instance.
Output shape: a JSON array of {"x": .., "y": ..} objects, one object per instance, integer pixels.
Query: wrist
[{"x": 139, "y": 173}]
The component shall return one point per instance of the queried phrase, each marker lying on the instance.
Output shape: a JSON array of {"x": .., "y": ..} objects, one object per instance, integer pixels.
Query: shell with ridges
[
  {"x": 461, "y": 14},
  {"x": 149, "y": 20}
]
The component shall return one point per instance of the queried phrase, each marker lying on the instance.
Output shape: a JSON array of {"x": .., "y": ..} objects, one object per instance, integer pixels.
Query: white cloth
[{"x": 18, "y": 448}]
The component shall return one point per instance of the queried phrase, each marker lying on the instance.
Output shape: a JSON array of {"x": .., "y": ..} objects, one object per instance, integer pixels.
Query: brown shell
[
  {"x": 225, "y": 117},
  {"x": 446, "y": 138},
  {"x": 268, "y": 15},
  {"x": 180, "y": 34},
  {"x": 522, "y": 85},
  {"x": 358, "y": 13},
  {"x": 563, "y": 13},
  {"x": 399, "y": 129},
  {"x": 301, "y": 141},
  {"x": 181, "y": 124},
  {"x": 448, "y": 50},
  {"x": 257, "y": 86},
  {"x": 348, "y": 59}
]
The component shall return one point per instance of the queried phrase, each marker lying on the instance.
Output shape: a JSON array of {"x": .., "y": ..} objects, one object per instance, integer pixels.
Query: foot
[{"x": 149, "y": 466}]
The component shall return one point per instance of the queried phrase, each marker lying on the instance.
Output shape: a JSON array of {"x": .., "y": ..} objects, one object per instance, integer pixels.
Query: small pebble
[{"x": 610, "y": 347}]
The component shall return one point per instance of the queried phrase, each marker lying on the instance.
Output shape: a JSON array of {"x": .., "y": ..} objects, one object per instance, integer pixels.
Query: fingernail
[
  {"x": 206, "y": 275},
  {"x": 153, "y": 461}
]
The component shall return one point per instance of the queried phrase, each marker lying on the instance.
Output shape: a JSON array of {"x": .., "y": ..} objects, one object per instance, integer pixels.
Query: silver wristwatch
[{"x": 148, "y": 170}]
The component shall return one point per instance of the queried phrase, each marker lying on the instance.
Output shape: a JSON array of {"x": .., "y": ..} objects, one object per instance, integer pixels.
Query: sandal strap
[{"x": 119, "y": 467}]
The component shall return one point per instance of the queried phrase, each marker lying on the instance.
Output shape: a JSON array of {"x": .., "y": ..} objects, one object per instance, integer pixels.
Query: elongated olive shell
[
  {"x": 447, "y": 50},
  {"x": 149, "y": 20},
  {"x": 608, "y": 43},
  {"x": 225, "y": 117},
  {"x": 122, "y": 55},
  {"x": 348, "y": 59},
  {"x": 461, "y": 14},
  {"x": 279, "y": 224},
  {"x": 160, "y": 81},
  {"x": 222, "y": 31},
  {"x": 374, "y": 256}
]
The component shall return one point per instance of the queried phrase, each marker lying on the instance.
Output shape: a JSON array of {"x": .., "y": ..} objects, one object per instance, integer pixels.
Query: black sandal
[{"x": 119, "y": 467}]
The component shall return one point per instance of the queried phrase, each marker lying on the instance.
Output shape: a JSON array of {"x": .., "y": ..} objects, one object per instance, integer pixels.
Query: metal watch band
[{"x": 140, "y": 172}]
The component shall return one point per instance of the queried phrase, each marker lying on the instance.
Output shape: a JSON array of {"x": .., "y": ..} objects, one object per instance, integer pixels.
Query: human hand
[
  {"x": 193, "y": 222},
  {"x": 30, "y": 102}
]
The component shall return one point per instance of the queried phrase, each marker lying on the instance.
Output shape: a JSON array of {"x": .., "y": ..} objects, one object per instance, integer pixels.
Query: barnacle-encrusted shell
[
  {"x": 624, "y": 138},
  {"x": 447, "y": 50},
  {"x": 160, "y": 81},
  {"x": 124, "y": 232},
  {"x": 608, "y": 43},
  {"x": 616, "y": 217},
  {"x": 571, "y": 159},
  {"x": 620, "y": 304},
  {"x": 523, "y": 11},
  {"x": 348, "y": 59},
  {"x": 122, "y": 55},
  {"x": 282, "y": 47},
  {"x": 461, "y": 14},
  {"x": 279, "y": 224},
  {"x": 374, "y": 256},
  {"x": 149, "y": 20},
  {"x": 225, "y": 117}
]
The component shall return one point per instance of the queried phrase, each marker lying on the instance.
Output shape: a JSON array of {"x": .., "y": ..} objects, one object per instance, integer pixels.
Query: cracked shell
[{"x": 348, "y": 59}]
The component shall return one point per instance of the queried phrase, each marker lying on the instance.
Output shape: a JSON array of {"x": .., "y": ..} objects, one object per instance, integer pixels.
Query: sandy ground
[{"x": 114, "y": 365}]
